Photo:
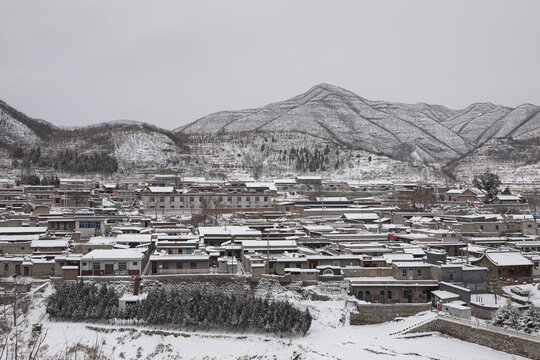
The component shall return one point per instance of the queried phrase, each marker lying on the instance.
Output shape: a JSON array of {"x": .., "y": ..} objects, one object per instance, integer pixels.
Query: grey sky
[{"x": 169, "y": 62}]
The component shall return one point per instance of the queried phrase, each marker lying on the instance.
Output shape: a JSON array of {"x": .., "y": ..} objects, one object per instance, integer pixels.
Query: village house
[
  {"x": 506, "y": 265},
  {"x": 26, "y": 265},
  {"x": 464, "y": 195},
  {"x": 387, "y": 289},
  {"x": 163, "y": 264},
  {"x": 112, "y": 262}
]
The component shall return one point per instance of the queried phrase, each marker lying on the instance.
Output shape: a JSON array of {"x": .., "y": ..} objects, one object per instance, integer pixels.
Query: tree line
[{"x": 192, "y": 308}]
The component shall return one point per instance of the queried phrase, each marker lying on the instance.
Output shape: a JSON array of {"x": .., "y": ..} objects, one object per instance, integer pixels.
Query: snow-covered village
[
  {"x": 273, "y": 179},
  {"x": 301, "y": 267}
]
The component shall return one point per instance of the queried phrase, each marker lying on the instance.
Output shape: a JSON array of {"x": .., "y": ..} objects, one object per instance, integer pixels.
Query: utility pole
[{"x": 268, "y": 253}]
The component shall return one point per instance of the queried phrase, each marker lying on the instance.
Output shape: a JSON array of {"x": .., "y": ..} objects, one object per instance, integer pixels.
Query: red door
[
  {"x": 26, "y": 271},
  {"x": 17, "y": 269}
]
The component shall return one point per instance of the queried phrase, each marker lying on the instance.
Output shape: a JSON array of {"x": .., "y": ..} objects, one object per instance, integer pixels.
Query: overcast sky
[{"x": 171, "y": 62}]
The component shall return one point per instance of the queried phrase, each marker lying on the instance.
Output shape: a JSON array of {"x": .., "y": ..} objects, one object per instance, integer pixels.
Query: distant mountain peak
[{"x": 421, "y": 131}]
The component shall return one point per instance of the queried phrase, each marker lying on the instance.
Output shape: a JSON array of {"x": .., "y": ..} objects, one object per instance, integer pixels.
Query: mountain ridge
[{"x": 432, "y": 133}]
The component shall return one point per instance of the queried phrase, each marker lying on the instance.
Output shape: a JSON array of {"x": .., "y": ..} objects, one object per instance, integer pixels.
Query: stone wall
[
  {"x": 357, "y": 271},
  {"x": 495, "y": 338},
  {"x": 482, "y": 312},
  {"x": 378, "y": 313}
]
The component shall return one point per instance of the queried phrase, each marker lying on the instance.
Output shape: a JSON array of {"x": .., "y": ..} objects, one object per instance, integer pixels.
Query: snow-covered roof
[
  {"x": 114, "y": 254},
  {"x": 49, "y": 244},
  {"x": 228, "y": 230},
  {"x": 270, "y": 186},
  {"x": 134, "y": 238},
  {"x": 285, "y": 181},
  {"x": 271, "y": 243},
  {"x": 507, "y": 258},
  {"x": 445, "y": 295},
  {"x": 332, "y": 199},
  {"x": 161, "y": 189},
  {"x": 361, "y": 216},
  {"x": 23, "y": 230},
  {"x": 411, "y": 264},
  {"x": 508, "y": 197},
  {"x": 414, "y": 251}
]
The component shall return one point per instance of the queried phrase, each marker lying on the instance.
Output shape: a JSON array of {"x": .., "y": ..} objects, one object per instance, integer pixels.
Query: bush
[{"x": 186, "y": 308}]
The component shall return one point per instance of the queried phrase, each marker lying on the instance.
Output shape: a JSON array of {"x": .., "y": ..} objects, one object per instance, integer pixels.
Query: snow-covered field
[{"x": 330, "y": 337}]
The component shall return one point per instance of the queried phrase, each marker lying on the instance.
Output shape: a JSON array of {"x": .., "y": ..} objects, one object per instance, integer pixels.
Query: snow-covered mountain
[
  {"x": 421, "y": 132},
  {"x": 133, "y": 144}
]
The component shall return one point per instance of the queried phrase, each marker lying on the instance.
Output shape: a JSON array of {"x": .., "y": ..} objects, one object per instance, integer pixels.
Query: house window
[
  {"x": 481, "y": 227},
  {"x": 122, "y": 265},
  {"x": 181, "y": 199},
  {"x": 496, "y": 227},
  {"x": 172, "y": 198},
  {"x": 165, "y": 265},
  {"x": 404, "y": 272},
  {"x": 135, "y": 263},
  {"x": 360, "y": 294},
  {"x": 229, "y": 199},
  {"x": 162, "y": 199},
  {"x": 200, "y": 199},
  {"x": 62, "y": 263},
  {"x": 6, "y": 267},
  {"x": 389, "y": 294},
  {"x": 453, "y": 235},
  {"x": 451, "y": 277},
  {"x": 266, "y": 198},
  {"x": 193, "y": 265},
  {"x": 239, "y": 198},
  {"x": 191, "y": 199},
  {"x": 179, "y": 265},
  {"x": 248, "y": 198},
  {"x": 419, "y": 272},
  {"x": 256, "y": 199},
  {"x": 170, "y": 251},
  {"x": 84, "y": 263},
  {"x": 188, "y": 251},
  {"x": 96, "y": 266}
]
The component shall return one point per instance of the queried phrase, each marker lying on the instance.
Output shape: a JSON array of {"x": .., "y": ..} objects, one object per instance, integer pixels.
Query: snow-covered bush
[
  {"x": 509, "y": 316},
  {"x": 530, "y": 320},
  {"x": 214, "y": 308},
  {"x": 208, "y": 308},
  {"x": 81, "y": 301}
]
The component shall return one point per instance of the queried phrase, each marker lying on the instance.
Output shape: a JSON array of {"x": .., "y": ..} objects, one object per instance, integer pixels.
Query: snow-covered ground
[
  {"x": 534, "y": 293},
  {"x": 330, "y": 337}
]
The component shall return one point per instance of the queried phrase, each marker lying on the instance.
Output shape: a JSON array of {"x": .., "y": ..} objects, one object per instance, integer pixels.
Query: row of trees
[
  {"x": 33, "y": 179},
  {"x": 508, "y": 316},
  {"x": 65, "y": 160},
  {"x": 186, "y": 308}
]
